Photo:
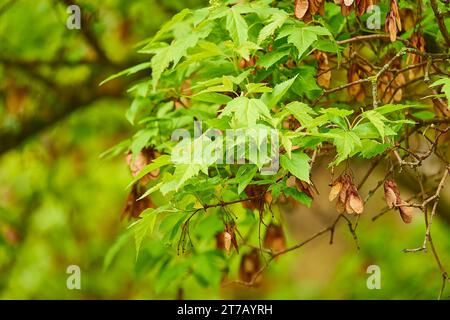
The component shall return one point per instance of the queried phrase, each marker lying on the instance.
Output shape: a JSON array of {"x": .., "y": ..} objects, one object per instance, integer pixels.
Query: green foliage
[
  {"x": 241, "y": 65},
  {"x": 247, "y": 66}
]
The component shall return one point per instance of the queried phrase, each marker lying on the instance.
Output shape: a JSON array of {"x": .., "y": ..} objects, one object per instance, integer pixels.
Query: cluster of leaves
[{"x": 242, "y": 65}]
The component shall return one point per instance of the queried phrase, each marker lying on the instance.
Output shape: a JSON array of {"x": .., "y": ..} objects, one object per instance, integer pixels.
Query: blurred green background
[{"x": 60, "y": 201}]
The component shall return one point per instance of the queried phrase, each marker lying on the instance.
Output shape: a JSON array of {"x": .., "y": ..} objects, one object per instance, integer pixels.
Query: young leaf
[
  {"x": 246, "y": 111},
  {"x": 302, "y": 37},
  {"x": 346, "y": 143}
]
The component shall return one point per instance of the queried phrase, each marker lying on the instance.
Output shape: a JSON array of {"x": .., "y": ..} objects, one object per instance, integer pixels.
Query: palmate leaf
[
  {"x": 168, "y": 26},
  {"x": 246, "y": 112},
  {"x": 347, "y": 143},
  {"x": 302, "y": 36},
  {"x": 175, "y": 51},
  {"x": 190, "y": 157}
]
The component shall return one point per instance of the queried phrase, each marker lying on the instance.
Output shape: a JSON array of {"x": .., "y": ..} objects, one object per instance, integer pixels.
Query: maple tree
[{"x": 310, "y": 70}]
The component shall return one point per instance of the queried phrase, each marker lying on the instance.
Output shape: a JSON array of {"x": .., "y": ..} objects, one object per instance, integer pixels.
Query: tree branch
[
  {"x": 89, "y": 36},
  {"x": 440, "y": 22},
  {"x": 72, "y": 102}
]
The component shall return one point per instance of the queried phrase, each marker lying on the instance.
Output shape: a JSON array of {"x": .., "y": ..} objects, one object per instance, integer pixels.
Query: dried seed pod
[
  {"x": 390, "y": 194},
  {"x": 394, "y": 9},
  {"x": 252, "y": 61},
  {"x": 249, "y": 266},
  {"x": 393, "y": 23},
  {"x": 393, "y": 200},
  {"x": 227, "y": 241},
  {"x": 361, "y": 6},
  {"x": 220, "y": 240},
  {"x": 390, "y": 26},
  {"x": 405, "y": 212},
  {"x": 316, "y": 6},
  {"x": 258, "y": 192},
  {"x": 340, "y": 207},
  {"x": 268, "y": 197},
  {"x": 349, "y": 199},
  {"x": 345, "y": 10},
  {"x": 335, "y": 190},
  {"x": 304, "y": 187},
  {"x": 348, "y": 207},
  {"x": 290, "y": 64},
  {"x": 417, "y": 41},
  {"x": 356, "y": 203},
  {"x": 344, "y": 190},
  {"x": 398, "y": 83},
  {"x": 355, "y": 73},
  {"x": 229, "y": 237},
  {"x": 301, "y": 7},
  {"x": 274, "y": 238}
]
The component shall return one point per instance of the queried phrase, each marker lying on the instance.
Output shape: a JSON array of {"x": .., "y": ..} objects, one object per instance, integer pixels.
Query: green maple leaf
[
  {"x": 246, "y": 111},
  {"x": 302, "y": 37}
]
